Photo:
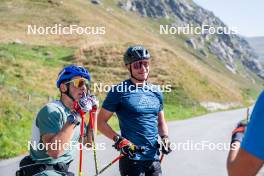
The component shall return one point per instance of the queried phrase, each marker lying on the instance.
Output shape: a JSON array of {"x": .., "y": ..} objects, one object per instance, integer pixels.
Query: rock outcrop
[{"x": 227, "y": 47}]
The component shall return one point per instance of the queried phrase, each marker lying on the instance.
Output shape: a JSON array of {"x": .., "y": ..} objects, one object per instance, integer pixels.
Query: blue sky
[{"x": 246, "y": 15}]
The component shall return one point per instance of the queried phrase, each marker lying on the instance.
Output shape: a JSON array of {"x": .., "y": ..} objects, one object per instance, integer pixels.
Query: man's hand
[
  {"x": 87, "y": 102},
  {"x": 94, "y": 100},
  {"x": 165, "y": 145},
  {"x": 239, "y": 131},
  {"x": 125, "y": 146}
]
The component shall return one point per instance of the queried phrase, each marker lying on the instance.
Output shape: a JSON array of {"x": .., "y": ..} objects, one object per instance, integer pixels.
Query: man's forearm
[
  {"x": 62, "y": 137},
  {"x": 107, "y": 130},
  {"x": 163, "y": 129},
  {"x": 162, "y": 125},
  {"x": 234, "y": 149}
]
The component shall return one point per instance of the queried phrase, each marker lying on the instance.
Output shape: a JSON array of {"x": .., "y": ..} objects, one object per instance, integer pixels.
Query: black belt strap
[{"x": 33, "y": 169}]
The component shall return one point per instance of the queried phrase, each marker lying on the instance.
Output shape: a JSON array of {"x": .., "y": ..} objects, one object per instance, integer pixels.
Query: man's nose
[
  {"x": 143, "y": 68},
  {"x": 83, "y": 87}
]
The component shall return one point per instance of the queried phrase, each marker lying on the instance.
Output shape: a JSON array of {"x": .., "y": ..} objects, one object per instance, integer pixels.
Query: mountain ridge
[
  {"x": 226, "y": 47},
  {"x": 257, "y": 44}
]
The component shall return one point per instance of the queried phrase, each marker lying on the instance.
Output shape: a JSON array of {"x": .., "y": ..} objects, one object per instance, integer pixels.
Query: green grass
[
  {"x": 178, "y": 105},
  {"x": 28, "y": 72},
  {"x": 27, "y": 82},
  {"x": 46, "y": 55},
  {"x": 15, "y": 129},
  {"x": 180, "y": 112}
]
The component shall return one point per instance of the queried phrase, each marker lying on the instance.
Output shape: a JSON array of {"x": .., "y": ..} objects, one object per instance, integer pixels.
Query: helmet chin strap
[
  {"x": 68, "y": 93},
  {"x": 135, "y": 77}
]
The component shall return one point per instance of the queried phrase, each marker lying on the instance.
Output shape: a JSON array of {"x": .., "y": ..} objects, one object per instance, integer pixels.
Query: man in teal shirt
[{"x": 56, "y": 129}]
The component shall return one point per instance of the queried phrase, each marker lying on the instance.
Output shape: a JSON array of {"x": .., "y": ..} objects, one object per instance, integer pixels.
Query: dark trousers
[{"x": 129, "y": 167}]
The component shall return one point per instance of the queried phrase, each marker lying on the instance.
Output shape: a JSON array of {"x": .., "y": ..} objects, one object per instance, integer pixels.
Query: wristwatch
[
  {"x": 73, "y": 119},
  {"x": 116, "y": 138}
]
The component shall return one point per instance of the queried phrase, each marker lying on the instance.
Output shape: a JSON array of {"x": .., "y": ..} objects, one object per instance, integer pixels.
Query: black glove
[
  {"x": 239, "y": 131},
  {"x": 126, "y": 147},
  {"x": 74, "y": 118},
  {"x": 165, "y": 145}
]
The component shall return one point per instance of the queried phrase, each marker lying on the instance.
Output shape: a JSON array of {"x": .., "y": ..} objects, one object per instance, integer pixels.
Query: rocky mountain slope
[
  {"x": 227, "y": 47},
  {"x": 257, "y": 44}
]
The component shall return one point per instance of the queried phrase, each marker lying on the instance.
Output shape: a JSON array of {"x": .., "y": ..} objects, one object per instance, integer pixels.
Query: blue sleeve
[
  {"x": 253, "y": 140},
  {"x": 161, "y": 101},
  {"x": 112, "y": 100}
]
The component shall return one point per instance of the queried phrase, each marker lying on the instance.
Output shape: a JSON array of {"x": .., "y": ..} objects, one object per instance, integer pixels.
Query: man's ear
[{"x": 63, "y": 88}]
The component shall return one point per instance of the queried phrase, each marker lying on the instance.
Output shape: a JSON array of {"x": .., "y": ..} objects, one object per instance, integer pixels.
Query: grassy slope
[
  {"x": 26, "y": 83},
  {"x": 28, "y": 72}
]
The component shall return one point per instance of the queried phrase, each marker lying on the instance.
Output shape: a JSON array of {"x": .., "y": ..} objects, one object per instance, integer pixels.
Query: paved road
[{"x": 212, "y": 132}]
